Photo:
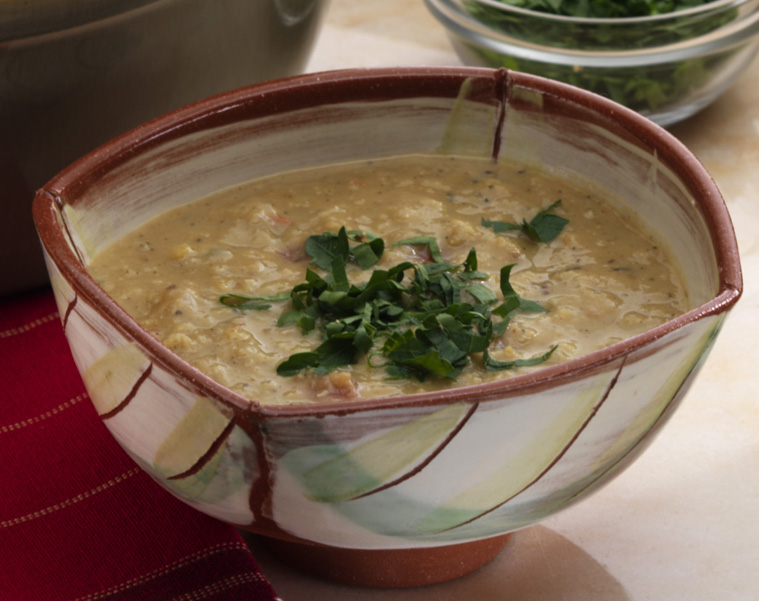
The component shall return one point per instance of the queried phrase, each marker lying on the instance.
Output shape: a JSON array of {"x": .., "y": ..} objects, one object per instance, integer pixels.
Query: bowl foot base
[{"x": 388, "y": 568}]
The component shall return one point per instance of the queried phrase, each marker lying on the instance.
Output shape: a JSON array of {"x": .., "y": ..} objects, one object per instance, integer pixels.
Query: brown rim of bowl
[{"x": 281, "y": 96}]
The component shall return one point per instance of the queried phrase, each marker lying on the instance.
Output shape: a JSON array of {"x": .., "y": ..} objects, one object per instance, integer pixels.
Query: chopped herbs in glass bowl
[{"x": 666, "y": 59}]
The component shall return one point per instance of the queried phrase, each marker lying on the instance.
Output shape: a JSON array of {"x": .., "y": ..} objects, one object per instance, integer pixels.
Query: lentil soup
[{"x": 604, "y": 276}]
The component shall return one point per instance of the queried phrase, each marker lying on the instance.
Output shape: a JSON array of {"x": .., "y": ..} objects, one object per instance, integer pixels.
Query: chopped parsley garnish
[
  {"x": 258, "y": 303},
  {"x": 417, "y": 320},
  {"x": 544, "y": 227}
]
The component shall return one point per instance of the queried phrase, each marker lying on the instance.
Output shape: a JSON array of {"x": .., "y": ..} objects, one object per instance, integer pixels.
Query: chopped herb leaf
[
  {"x": 427, "y": 241},
  {"x": 255, "y": 303},
  {"x": 298, "y": 362},
  {"x": 512, "y": 300},
  {"x": 368, "y": 254},
  {"x": 499, "y": 227},
  {"x": 325, "y": 248},
  {"x": 494, "y": 365},
  {"x": 544, "y": 227},
  {"x": 482, "y": 294}
]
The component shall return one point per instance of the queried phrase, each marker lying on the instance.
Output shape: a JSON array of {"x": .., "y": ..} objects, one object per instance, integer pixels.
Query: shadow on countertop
[{"x": 538, "y": 564}]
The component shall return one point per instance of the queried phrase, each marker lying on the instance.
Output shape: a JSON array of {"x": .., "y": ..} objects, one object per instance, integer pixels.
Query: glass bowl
[{"x": 666, "y": 67}]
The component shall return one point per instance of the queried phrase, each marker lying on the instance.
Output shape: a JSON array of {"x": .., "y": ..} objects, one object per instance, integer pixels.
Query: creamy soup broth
[{"x": 603, "y": 279}]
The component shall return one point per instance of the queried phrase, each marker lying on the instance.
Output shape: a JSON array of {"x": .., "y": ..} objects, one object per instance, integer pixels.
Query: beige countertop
[{"x": 681, "y": 524}]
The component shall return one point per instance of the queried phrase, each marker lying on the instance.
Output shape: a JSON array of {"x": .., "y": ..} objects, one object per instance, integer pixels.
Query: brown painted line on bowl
[
  {"x": 69, "y": 310},
  {"x": 647, "y": 438},
  {"x": 130, "y": 395},
  {"x": 427, "y": 460},
  {"x": 208, "y": 455},
  {"x": 558, "y": 457}
]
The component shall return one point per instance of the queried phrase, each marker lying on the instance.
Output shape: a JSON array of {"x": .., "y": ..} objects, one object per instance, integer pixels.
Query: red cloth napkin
[{"x": 79, "y": 521}]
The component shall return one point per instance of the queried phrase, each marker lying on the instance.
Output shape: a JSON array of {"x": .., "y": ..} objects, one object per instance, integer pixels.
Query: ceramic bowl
[
  {"x": 404, "y": 490},
  {"x": 76, "y": 73},
  {"x": 667, "y": 66}
]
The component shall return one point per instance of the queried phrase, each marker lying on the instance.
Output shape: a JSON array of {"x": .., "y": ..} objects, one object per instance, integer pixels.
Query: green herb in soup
[
  {"x": 414, "y": 319},
  {"x": 394, "y": 276},
  {"x": 544, "y": 227}
]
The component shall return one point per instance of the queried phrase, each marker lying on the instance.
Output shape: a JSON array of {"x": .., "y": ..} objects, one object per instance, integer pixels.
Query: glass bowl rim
[
  {"x": 461, "y": 24},
  {"x": 694, "y": 11}
]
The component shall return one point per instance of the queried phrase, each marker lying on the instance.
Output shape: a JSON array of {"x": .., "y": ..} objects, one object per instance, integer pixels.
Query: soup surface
[{"x": 584, "y": 274}]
